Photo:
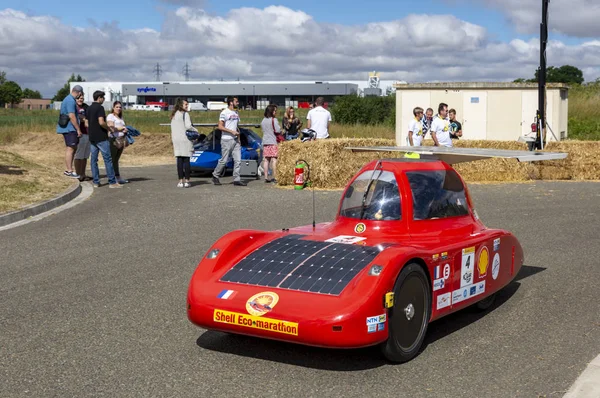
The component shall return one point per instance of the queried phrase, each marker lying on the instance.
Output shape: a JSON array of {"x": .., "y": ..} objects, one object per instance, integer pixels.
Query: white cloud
[
  {"x": 274, "y": 43},
  {"x": 577, "y": 18}
]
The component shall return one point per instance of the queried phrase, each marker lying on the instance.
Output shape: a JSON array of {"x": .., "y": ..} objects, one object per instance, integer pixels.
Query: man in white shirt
[
  {"x": 440, "y": 127},
  {"x": 319, "y": 119},
  {"x": 415, "y": 128},
  {"x": 230, "y": 143}
]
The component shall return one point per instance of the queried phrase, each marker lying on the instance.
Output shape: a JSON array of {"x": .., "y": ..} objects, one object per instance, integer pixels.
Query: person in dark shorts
[
  {"x": 455, "y": 126},
  {"x": 83, "y": 148},
  {"x": 98, "y": 134},
  {"x": 68, "y": 126}
]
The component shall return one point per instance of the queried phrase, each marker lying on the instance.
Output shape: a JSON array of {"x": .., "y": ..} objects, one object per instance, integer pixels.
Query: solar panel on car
[{"x": 304, "y": 265}]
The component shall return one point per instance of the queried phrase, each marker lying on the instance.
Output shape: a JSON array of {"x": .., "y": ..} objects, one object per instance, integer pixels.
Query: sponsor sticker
[
  {"x": 439, "y": 284},
  {"x": 376, "y": 319},
  {"x": 443, "y": 301},
  {"x": 446, "y": 271},
  {"x": 468, "y": 292},
  {"x": 496, "y": 266},
  {"x": 483, "y": 262},
  {"x": 372, "y": 328},
  {"x": 360, "y": 228},
  {"x": 444, "y": 255},
  {"x": 467, "y": 266},
  {"x": 226, "y": 294},
  {"x": 261, "y": 303},
  {"x": 436, "y": 272},
  {"x": 346, "y": 239},
  {"x": 380, "y": 327},
  {"x": 496, "y": 244},
  {"x": 435, "y": 257},
  {"x": 254, "y": 322}
]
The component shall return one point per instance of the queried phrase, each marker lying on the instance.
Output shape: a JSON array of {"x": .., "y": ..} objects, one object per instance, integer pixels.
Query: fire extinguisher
[{"x": 301, "y": 174}]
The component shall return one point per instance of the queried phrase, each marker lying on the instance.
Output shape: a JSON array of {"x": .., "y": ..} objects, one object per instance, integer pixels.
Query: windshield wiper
[{"x": 364, "y": 199}]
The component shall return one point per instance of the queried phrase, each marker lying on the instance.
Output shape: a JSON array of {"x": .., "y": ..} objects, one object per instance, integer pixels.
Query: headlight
[{"x": 213, "y": 254}]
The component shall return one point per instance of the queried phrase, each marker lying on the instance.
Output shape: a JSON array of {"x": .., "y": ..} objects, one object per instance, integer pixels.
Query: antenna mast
[
  {"x": 186, "y": 72},
  {"x": 541, "y": 135},
  {"x": 157, "y": 71}
]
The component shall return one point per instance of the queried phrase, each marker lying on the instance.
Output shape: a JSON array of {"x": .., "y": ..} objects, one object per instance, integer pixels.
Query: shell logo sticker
[
  {"x": 483, "y": 262},
  {"x": 261, "y": 303},
  {"x": 360, "y": 228}
]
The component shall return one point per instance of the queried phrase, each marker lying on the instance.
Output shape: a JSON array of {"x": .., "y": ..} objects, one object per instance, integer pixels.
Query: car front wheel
[{"x": 409, "y": 317}]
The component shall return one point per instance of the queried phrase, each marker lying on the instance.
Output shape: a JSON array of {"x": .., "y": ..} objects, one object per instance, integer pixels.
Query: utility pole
[
  {"x": 186, "y": 72},
  {"x": 541, "y": 131},
  {"x": 157, "y": 71}
]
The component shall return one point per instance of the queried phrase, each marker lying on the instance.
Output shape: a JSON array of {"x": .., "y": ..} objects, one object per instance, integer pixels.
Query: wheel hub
[{"x": 409, "y": 311}]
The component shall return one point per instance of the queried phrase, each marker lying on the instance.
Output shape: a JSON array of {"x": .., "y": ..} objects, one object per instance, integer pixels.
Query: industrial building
[
  {"x": 487, "y": 111},
  {"x": 254, "y": 94}
]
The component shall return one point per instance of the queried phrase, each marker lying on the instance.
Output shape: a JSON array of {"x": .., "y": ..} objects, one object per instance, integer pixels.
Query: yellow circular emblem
[
  {"x": 360, "y": 228},
  {"x": 261, "y": 303},
  {"x": 484, "y": 260}
]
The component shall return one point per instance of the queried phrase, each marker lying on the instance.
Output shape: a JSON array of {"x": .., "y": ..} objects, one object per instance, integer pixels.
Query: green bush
[{"x": 364, "y": 110}]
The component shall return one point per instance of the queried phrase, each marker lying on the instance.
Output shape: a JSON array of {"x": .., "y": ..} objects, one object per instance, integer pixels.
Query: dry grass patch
[{"x": 23, "y": 182}]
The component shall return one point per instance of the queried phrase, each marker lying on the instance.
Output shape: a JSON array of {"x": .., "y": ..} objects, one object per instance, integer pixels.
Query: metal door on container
[{"x": 474, "y": 125}]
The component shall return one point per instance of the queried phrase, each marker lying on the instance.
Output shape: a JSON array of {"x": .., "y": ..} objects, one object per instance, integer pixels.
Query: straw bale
[{"x": 332, "y": 166}]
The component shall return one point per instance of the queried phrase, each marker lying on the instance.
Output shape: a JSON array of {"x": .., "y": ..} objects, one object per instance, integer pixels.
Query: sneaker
[
  {"x": 274, "y": 181},
  {"x": 117, "y": 185},
  {"x": 267, "y": 181},
  {"x": 122, "y": 181},
  {"x": 96, "y": 185},
  {"x": 216, "y": 181},
  {"x": 186, "y": 185},
  {"x": 240, "y": 183},
  {"x": 180, "y": 185},
  {"x": 71, "y": 174}
]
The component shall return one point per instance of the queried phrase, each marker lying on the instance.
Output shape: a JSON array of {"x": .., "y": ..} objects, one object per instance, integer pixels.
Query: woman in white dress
[
  {"x": 118, "y": 141},
  {"x": 182, "y": 146}
]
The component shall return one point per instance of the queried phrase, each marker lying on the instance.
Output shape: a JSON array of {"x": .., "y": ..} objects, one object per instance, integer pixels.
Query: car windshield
[{"x": 382, "y": 201}]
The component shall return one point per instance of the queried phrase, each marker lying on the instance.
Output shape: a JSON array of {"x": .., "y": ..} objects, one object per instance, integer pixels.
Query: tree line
[{"x": 11, "y": 92}]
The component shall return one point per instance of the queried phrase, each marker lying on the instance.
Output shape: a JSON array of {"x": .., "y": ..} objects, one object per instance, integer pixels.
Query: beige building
[
  {"x": 487, "y": 111},
  {"x": 31, "y": 104}
]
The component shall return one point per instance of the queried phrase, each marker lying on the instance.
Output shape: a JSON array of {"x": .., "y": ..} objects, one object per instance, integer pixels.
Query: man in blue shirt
[{"x": 71, "y": 130}]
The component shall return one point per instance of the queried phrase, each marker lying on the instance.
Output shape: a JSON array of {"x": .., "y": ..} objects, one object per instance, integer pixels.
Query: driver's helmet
[{"x": 308, "y": 135}]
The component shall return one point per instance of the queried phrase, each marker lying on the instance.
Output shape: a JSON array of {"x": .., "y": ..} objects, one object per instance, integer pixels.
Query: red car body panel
[{"x": 465, "y": 261}]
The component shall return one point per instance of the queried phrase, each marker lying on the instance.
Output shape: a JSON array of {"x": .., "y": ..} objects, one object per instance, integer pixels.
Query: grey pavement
[{"x": 92, "y": 301}]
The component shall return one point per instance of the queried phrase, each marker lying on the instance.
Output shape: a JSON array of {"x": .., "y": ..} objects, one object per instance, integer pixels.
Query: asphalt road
[{"x": 92, "y": 301}]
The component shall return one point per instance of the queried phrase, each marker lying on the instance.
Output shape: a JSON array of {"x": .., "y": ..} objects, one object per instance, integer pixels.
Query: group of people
[
  {"x": 318, "y": 119},
  {"x": 87, "y": 131},
  {"x": 443, "y": 127}
]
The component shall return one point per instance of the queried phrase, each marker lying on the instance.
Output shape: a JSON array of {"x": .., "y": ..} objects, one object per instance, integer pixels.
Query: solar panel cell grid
[{"x": 303, "y": 265}]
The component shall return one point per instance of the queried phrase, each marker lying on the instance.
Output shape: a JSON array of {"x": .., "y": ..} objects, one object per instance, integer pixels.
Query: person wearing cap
[{"x": 71, "y": 130}]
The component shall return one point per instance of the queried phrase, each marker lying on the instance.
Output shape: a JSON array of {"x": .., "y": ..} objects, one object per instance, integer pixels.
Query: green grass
[{"x": 584, "y": 112}]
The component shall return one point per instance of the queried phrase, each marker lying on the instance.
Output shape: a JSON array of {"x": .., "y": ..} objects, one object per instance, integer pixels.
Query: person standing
[
  {"x": 182, "y": 146},
  {"x": 455, "y": 126},
  {"x": 98, "y": 135},
  {"x": 68, "y": 126},
  {"x": 230, "y": 143},
  {"x": 270, "y": 127},
  {"x": 426, "y": 121},
  {"x": 118, "y": 141},
  {"x": 440, "y": 127},
  {"x": 291, "y": 124},
  {"x": 415, "y": 128},
  {"x": 83, "y": 148},
  {"x": 319, "y": 119}
]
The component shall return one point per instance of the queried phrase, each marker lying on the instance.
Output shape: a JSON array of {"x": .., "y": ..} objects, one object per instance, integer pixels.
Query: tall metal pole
[{"x": 541, "y": 136}]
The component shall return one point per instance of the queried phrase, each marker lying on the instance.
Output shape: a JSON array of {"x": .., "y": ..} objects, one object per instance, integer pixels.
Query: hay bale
[{"x": 332, "y": 166}]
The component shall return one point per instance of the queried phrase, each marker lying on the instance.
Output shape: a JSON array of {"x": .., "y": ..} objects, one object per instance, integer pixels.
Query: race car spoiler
[{"x": 459, "y": 155}]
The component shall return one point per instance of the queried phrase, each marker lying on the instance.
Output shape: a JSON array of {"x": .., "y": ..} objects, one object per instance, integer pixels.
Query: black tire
[
  {"x": 486, "y": 302},
  {"x": 409, "y": 317}
]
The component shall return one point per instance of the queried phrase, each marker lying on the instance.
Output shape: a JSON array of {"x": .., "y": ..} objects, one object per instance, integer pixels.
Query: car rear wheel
[
  {"x": 486, "y": 302},
  {"x": 409, "y": 317}
]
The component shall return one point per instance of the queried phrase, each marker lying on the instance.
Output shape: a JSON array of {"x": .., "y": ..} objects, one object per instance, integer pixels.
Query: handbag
[
  {"x": 278, "y": 136},
  {"x": 63, "y": 120}
]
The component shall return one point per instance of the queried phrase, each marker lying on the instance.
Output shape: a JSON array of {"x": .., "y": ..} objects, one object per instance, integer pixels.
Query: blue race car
[{"x": 207, "y": 151}]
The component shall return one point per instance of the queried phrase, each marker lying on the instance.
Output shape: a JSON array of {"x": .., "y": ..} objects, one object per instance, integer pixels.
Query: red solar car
[{"x": 406, "y": 248}]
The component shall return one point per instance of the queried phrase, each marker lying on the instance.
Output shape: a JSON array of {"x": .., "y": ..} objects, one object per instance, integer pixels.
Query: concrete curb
[
  {"x": 588, "y": 383},
  {"x": 38, "y": 208}
]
